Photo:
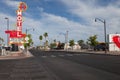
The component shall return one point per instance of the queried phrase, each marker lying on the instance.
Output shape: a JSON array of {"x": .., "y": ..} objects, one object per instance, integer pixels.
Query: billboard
[{"x": 114, "y": 42}]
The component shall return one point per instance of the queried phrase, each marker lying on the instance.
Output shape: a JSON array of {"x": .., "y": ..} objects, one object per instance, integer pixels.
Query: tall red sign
[
  {"x": 17, "y": 34},
  {"x": 22, "y": 7}
]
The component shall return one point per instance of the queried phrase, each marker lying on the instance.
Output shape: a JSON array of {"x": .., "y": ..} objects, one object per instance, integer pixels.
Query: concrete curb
[
  {"x": 17, "y": 55},
  {"x": 28, "y": 54},
  {"x": 115, "y": 53}
]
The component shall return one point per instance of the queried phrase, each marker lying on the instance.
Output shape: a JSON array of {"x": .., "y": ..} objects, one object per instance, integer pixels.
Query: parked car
[
  {"x": 84, "y": 46},
  {"x": 100, "y": 47}
]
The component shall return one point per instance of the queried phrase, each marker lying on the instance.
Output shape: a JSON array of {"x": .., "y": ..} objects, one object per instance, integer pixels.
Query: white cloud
[
  {"x": 12, "y": 3},
  {"x": 40, "y": 9},
  {"x": 58, "y": 24},
  {"x": 89, "y": 10}
]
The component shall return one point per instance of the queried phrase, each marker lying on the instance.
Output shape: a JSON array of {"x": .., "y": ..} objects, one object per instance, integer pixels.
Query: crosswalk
[
  {"x": 28, "y": 69},
  {"x": 43, "y": 56},
  {"x": 61, "y": 55},
  {"x": 53, "y": 56}
]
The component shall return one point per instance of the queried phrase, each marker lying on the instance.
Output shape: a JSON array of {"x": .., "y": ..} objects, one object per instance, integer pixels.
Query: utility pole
[
  {"x": 66, "y": 40},
  {"x": 7, "y": 30},
  {"x": 103, "y": 21}
]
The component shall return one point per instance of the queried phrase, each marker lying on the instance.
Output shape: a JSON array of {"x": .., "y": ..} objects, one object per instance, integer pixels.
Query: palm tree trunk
[{"x": 45, "y": 43}]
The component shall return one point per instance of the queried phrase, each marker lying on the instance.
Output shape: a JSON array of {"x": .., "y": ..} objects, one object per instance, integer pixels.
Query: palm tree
[
  {"x": 30, "y": 41},
  {"x": 72, "y": 42},
  {"x": 1, "y": 40},
  {"x": 81, "y": 42},
  {"x": 54, "y": 40},
  {"x": 40, "y": 38},
  {"x": 45, "y": 35},
  {"x": 46, "y": 42}
]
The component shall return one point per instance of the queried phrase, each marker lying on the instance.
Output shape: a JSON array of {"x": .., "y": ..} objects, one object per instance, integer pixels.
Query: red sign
[
  {"x": 22, "y": 6},
  {"x": 19, "y": 20},
  {"x": 15, "y": 34},
  {"x": 116, "y": 40},
  {"x": 18, "y": 32}
]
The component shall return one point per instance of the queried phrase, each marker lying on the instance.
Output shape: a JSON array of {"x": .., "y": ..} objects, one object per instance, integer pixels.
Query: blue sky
[{"x": 59, "y": 16}]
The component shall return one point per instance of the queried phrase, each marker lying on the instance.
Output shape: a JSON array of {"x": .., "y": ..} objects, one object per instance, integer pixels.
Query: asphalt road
[
  {"x": 58, "y": 65},
  {"x": 23, "y": 69},
  {"x": 79, "y": 66}
]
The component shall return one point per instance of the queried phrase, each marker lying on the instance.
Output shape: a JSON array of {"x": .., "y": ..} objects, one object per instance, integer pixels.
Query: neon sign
[
  {"x": 17, "y": 34},
  {"x": 22, "y": 7}
]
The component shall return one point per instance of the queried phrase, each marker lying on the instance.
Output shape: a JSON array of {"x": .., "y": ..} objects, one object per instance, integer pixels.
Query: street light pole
[
  {"x": 26, "y": 35},
  {"x": 67, "y": 40},
  {"x": 29, "y": 30},
  {"x": 26, "y": 31},
  {"x": 66, "y": 36},
  {"x": 7, "y": 30},
  {"x": 103, "y": 21}
]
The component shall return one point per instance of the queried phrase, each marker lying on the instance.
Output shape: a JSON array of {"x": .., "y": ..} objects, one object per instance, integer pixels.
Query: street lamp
[
  {"x": 103, "y": 21},
  {"x": 66, "y": 39},
  {"x": 66, "y": 36},
  {"x": 7, "y": 29},
  {"x": 26, "y": 34},
  {"x": 29, "y": 30}
]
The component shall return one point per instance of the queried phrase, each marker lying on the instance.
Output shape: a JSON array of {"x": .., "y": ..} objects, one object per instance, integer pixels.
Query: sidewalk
[
  {"x": 114, "y": 53},
  {"x": 16, "y": 55}
]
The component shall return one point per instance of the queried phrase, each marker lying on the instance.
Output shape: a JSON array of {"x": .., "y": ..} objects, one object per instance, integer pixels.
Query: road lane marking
[
  {"x": 53, "y": 56},
  {"x": 69, "y": 54},
  {"x": 43, "y": 56},
  {"x": 81, "y": 54},
  {"x": 61, "y": 55},
  {"x": 77, "y": 54}
]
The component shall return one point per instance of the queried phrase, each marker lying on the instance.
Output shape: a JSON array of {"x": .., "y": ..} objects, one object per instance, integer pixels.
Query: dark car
[
  {"x": 84, "y": 46},
  {"x": 100, "y": 47}
]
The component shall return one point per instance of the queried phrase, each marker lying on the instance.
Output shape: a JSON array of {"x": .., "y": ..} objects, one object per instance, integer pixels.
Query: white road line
[
  {"x": 69, "y": 54},
  {"x": 61, "y": 55},
  {"x": 85, "y": 54},
  {"x": 81, "y": 54},
  {"x": 43, "y": 56},
  {"x": 77, "y": 54},
  {"x": 53, "y": 56}
]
